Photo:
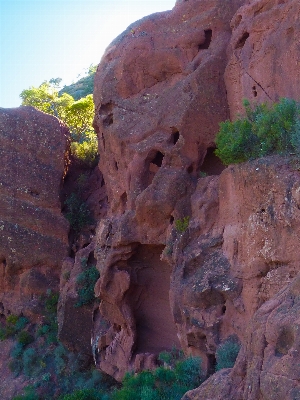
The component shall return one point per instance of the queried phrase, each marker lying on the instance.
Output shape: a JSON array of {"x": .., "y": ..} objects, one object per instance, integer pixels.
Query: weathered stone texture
[
  {"x": 264, "y": 53},
  {"x": 34, "y": 234}
]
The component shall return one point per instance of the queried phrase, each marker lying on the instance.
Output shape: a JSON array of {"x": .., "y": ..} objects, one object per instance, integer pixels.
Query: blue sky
[{"x": 44, "y": 39}]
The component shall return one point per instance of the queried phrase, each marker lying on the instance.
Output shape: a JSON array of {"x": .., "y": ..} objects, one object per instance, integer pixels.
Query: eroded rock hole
[
  {"x": 106, "y": 114},
  {"x": 149, "y": 298},
  {"x": 211, "y": 165},
  {"x": 116, "y": 166},
  {"x": 254, "y": 91},
  {"x": 212, "y": 363},
  {"x": 171, "y": 220},
  {"x": 190, "y": 169},
  {"x": 206, "y": 44},
  {"x": 175, "y": 135},
  {"x": 109, "y": 120},
  {"x": 242, "y": 41},
  {"x": 158, "y": 159},
  {"x": 152, "y": 165},
  {"x": 224, "y": 309},
  {"x": 123, "y": 201}
]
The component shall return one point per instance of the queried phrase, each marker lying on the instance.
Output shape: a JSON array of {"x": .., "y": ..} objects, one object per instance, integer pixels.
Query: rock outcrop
[
  {"x": 159, "y": 96},
  {"x": 34, "y": 234},
  {"x": 190, "y": 253},
  {"x": 226, "y": 241},
  {"x": 237, "y": 254}
]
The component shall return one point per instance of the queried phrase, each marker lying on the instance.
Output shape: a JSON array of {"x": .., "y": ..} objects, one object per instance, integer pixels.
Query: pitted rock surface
[{"x": 159, "y": 96}]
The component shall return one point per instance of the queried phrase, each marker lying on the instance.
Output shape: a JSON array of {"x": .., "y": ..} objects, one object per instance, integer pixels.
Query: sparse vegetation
[
  {"x": 227, "y": 353},
  {"x": 265, "y": 130},
  {"x": 78, "y": 213},
  {"x": 168, "y": 382},
  {"x": 53, "y": 371},
  {"x": 86, "y": 281},
  {"x": 181, "y": 225}
]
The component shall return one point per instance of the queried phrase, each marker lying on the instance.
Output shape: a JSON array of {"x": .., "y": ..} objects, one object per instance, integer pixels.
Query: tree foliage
[
  {"x": 77, "y": 115},
  {"x": 83, "y": 86},
  {"x": 266, "y": 129}
]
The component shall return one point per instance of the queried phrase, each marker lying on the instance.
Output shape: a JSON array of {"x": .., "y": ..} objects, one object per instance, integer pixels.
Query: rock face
[
  {"x": 268, "y": 365},
  {"x": 34, "y": 234},
  {"x": 228, "y": 268},
  {"x": 264, "y": 53},
  {"x": 159, "y": 95},
  {"x": 190, "y": 252}
]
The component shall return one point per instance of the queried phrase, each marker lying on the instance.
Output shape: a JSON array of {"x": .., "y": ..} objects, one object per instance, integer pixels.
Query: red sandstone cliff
[
  {"x": 34, "y": 234},
  {"x": 161, "y": 90}
]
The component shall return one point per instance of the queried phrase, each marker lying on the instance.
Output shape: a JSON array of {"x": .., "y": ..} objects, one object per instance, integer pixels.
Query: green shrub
[
  {"x": 30, "y": 362},
  {"x": 181, "y": 225},
  {"x": 78, "y": 213},
  {"x": 227, "y": 353},
  {"x": 85, "y": 394},
  {"x": 25, "y": 338},
  {"x": 21, "y": 323},
  {"x": 163, "y": 383},
  {"x": 14, "y": 324},
  {"x": 265, "y": 130},
  {"x": 51, "y": 301},
  {"x": 29, "y": 394},
  {"x": 86, "y": 281}
]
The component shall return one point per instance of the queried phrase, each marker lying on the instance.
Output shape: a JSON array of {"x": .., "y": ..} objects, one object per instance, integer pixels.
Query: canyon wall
[
  {"x": 190, "y": 253},
  {"x": 224, "y": 240}
]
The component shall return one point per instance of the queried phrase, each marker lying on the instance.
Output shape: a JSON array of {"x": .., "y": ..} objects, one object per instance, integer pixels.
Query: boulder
[{"x": 34, "y": 234}]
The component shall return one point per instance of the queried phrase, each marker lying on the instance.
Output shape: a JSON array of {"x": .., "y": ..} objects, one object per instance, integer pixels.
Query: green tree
[
  {"x": 45, "y": 98},
  {"x": 77, "y": 115}
]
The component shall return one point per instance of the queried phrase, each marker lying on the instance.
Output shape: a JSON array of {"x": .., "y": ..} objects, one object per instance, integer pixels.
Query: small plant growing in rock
[
  {"x": 181, "y": 225},
  {"x": 202, "y": 174}
]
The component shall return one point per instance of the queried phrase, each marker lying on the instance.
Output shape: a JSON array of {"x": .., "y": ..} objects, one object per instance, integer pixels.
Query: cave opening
[
  {"x": 206, "y": 44},
  {"x": 212, "y": 165},
  {"x": 174, "y": 135},
  {"x": 211, "y": 364},
  {"x": 149, "y": 298},
  {"x": 242, "y": 40},
  {"x": 153, "y": 163},
  {"x": 157, "y": 159}
]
